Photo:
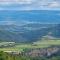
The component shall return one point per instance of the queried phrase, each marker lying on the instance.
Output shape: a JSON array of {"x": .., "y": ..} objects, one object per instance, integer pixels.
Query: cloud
[
  {"x": 29, "y": 4},
  {"x": 15, "y": 1},
  {"x": 46, "y": 4},
  {"x": 54, "y": 5},
  {"x": 15, "y": 4}
]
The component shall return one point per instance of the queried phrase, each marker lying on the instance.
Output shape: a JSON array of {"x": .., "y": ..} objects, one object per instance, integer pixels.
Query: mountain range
[
  {"x": 28, "y": 32},
  {"x": 29, "y": 26}
]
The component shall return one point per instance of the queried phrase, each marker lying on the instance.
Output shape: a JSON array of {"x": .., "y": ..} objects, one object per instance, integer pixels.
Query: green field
[{"x": 38, "y": 44}]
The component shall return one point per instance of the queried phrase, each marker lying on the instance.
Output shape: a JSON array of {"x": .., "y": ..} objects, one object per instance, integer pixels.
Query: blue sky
[{"x": 29, "y": 4}]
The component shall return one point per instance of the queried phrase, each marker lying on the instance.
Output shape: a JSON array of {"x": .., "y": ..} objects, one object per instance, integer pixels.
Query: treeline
[{"x": 6, "y": 56}]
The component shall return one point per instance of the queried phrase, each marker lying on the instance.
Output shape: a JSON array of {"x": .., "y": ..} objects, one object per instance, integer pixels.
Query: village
[{"x": 38, "y": 52}]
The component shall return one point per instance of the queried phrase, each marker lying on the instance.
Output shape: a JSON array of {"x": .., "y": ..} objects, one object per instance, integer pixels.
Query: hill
[{"x": 28, "y": 32}]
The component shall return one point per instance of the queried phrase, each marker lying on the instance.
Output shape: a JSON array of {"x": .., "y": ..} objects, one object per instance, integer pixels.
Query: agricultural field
[{"x": 12, "y": 46}]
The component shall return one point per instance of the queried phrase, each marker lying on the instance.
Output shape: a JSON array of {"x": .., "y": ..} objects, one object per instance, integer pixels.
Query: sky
[{"x": 29, "y": 4}]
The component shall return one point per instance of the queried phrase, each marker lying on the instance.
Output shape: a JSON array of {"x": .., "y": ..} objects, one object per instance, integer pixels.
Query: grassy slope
[{"x": 38, "y": 44}]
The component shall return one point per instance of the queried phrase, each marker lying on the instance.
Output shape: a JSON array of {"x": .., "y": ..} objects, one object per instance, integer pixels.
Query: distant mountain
[
  {"x": 44, "y": 16},
  {"x": 28, "y": 32}
]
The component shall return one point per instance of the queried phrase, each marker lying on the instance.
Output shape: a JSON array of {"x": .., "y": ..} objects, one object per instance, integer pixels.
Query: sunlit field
[{"x": 38, "y": 44}]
